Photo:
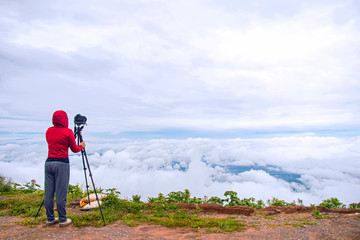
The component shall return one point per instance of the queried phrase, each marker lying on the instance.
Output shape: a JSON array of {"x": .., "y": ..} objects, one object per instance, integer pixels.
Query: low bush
[
  {"x": 25, "y": 201},
  {"x": 355, "y": 205},
  {"x": 332, "y": 203}
]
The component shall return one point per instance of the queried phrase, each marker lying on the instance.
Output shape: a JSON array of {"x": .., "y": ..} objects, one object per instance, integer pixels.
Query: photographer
[{"x": 57, "y": 168}]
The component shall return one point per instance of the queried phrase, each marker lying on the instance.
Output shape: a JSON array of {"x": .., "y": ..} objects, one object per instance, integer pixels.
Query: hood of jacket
[{"x": 60, "y": 119}]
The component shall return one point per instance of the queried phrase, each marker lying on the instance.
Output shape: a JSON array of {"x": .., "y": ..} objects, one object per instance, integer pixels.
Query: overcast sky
[{"x": 182, "y": 66}]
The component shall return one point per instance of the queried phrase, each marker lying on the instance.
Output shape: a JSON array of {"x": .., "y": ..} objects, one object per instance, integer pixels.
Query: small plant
[
  {"x": 251, "y": 202},
  {"x": 25, "y": 205},
  {"x": 160, "y": 213},
  {"x": 303, "y": 222},
  {"x": 88, "y": 219},
  {"x": 136, "y": 198},
  {"x": 180, "y": 215},
  {"x": 159, "y": 199},
  {"x": 233, "y": 199},
  {"x": 259, "y": 204},
  {"x": 355, "y": 205},
  {"x": 179, "y": 197},
  {"x": 113, "y": 191},
  {"x": 217, "y": 200},
  {"x": 279, "y": 203},
  {"x": 332, "y": 203},
  {"x": 6, "y": 186},
  {"x": 195, "y": 200},
  {"x": 31, "y": 221},
  {"x": 306, "y": 222},
  {"x": 267, "y": 216},
  {"x": 131, "y": 220},
  {"x": 175, "y": 197},
  {"x": 30, "y": 187},
  {"x": 75, "y": 191},
  {"x": 113, "y": 203},
  {"x": 317, "y": 213}
]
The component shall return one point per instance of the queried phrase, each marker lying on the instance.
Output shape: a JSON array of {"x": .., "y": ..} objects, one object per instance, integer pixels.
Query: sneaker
[
  {"x": 64, "y": 224},
  {"x": 55, "y": 221}
]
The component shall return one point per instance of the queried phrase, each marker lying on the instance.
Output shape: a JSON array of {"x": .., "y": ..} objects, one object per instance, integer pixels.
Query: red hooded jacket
[{"x": 60, "y": 138}]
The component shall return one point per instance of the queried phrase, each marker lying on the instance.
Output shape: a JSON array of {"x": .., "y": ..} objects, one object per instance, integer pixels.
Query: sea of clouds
[{"x": 324, "y": 167}]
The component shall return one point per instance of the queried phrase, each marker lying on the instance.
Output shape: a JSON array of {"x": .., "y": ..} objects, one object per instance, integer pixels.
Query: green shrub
[
  {"x": 332, "y": 203},
  {"x": 159, "y": 199},
  {"x": 217, "y": 200},
  {"x": 74, "y": 191},
  {"x": 279, "y": 203},
  {"x": 317, "y": 213},
  {"x": 355, "y": 205},
  {"x": 91, "y": 218},
  {"x": 25, "y": 205},
  {"x": 232, "y": 200},
  {"x": 175, "y": 197},
  {"x": 251, "y": 202},
  {"x": 25, "y": 201},
  {"x": 136, "y": 198},
  {"x": 113, "y": 202},
  {"x": 181, "y": 214},
  {"x": 195, "y": 200},
  {"x": 6, "y": 186},
  {"x": 179, "y": 197}
]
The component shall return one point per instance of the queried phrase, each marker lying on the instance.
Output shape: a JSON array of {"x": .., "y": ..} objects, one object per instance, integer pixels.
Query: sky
[
  {"x": 187, "y": 74},
  {"x": 182, "y": 68}
]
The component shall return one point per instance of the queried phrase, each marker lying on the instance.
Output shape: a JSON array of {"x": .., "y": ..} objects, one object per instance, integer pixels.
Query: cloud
[
  {"x": 325, "y": 166},
  {"x": 150, "y": 65}
]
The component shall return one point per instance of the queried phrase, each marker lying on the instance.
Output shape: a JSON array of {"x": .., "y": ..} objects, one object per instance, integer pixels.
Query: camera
[{"x": 80, "y": 120}]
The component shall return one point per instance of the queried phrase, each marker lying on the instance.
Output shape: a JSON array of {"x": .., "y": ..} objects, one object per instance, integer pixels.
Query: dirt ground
[{"x": 270, "y": 223}]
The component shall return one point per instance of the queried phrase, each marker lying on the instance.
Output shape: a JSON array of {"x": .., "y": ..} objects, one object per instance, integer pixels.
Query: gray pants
[{"x": 57, "y": 176}]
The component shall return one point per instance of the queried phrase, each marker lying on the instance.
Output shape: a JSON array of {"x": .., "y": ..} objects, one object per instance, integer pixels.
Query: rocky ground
[{"x": 270, "y": 223}]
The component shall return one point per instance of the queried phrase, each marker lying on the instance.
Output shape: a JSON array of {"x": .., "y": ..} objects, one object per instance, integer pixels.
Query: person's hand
[{"x": 83, "y": 144}]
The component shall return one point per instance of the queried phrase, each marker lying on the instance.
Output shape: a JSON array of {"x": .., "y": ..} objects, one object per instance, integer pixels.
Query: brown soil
[{"x": 288, "y": 223}]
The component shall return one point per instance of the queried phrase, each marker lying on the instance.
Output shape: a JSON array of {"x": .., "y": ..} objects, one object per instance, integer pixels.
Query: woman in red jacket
[{"x": 57, "y": 168}]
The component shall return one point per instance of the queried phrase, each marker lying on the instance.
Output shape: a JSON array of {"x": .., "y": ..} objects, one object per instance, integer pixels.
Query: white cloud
[
  {"x": 62, "y": 37},
  {"x": 326, "y": 167},
  {"x": 277, "y": 42},
  {"x": 153, "y": 66}
]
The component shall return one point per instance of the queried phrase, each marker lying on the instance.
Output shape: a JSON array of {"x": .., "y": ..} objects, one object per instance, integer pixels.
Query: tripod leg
[
  {"x": 84, "y": 166},
  {"x": 92, "y": 180},
  {"x": 42, "y": 203},
  {"x": 83, "y": 154},
  {"x": 84, "y": 157}
]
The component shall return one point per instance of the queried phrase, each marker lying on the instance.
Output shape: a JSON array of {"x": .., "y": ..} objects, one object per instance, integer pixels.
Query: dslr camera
[{"x": 80, "y": 120}]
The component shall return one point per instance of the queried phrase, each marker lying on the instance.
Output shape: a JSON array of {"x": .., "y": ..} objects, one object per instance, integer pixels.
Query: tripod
[{"x": 77, "y": 133}]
